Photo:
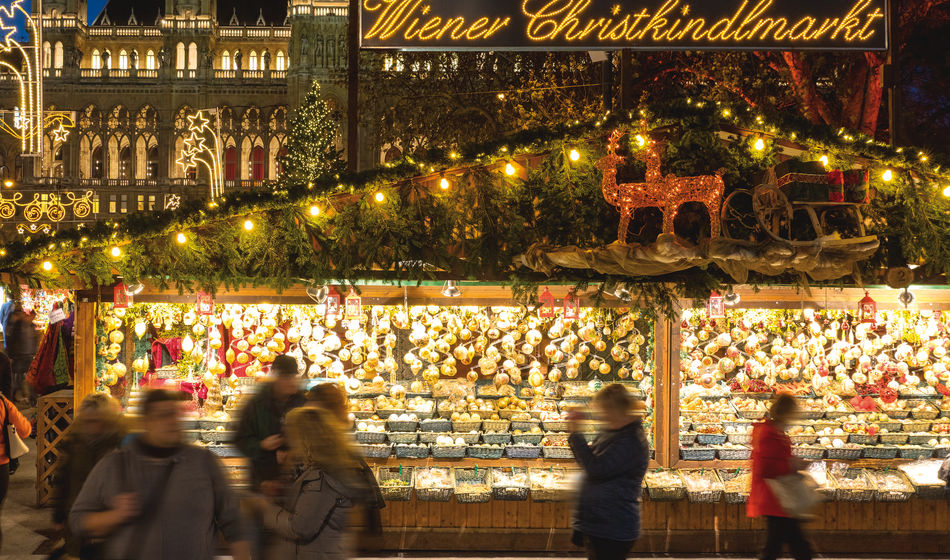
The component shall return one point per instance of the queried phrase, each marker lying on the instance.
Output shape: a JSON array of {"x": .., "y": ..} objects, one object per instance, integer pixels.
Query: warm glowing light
[
  {"x": 314, "y": 210},
  {"x": 454, "y": 155},
  {"x": 47, "y": 266},
  {"x": 380, "y": 197},
  {"x": 3, "y": 252},
  {"x": 946, "y": 191},
  {"x": 509, "y": 169},
  {"x": 824, "y": 160},
  {"x": 726, "y": 113},
  {"x": 574, "y": 155},
  {"x": 8, "y": 183},
  {"x": 196, "y": 150},
  {"x": 641, "y": 141},
  {"x": 887, "y": 175},
  {"x": 181, "y": 238},
  {"x": 501, "y": 96},
  {"x": 116, "y": 252},
  {"x": 759, "y": 144},
  {"x": 248, "y": 225},
  {"x": 443, "y": 183}
]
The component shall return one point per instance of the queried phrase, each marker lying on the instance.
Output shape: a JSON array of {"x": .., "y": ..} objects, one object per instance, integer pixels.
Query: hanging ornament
[
  {"x": 867, "y": 309},
  {"x": 332, "y": 303},
  {"x": 121, "y": 298},
  {"x": 204, "y": 303},
  {"x": 715, "y": 307},
  {"x": 353, "y": 307},
  {"x": 546, "y": 311},
  {"x": 572, "y": 305}
]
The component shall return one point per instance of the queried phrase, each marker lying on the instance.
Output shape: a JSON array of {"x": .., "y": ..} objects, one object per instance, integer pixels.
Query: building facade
[{"x": 133, "y": 76}]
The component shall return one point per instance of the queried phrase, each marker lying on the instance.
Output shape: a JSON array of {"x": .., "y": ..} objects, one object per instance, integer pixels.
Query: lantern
[
  {"x": 353, "y": 305},
  {"x": 572, "y": 305},
  {"x": 120, "y": 297},
  {"x": 205, "y": 303},
  {"x": 547, "y": 305},
  {"x": 332, "y": 303},
  {"x": 715, "y": 307},
  {"x": 867, "y": 309}
]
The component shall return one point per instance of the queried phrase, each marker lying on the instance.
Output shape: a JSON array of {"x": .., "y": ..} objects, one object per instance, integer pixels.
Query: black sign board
[{"x": 456, "y": 25}]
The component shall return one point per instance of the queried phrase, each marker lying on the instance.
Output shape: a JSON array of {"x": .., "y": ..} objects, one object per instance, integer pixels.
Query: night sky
[{"x": 92, "y": 10}]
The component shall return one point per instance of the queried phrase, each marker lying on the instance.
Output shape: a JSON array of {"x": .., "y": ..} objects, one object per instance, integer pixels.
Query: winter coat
[
  {"x": 608, "y": 505},
  {"x": 19, "y": 422},
  {"x": 263, "y": 416},
  {"x": 771, "y": 458},
  {"x": 311, "y": 521}
]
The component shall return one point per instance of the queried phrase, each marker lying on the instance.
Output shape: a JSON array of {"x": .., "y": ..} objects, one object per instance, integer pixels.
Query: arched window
[
  {"x": 280, "y": 62},
  {"x": 96, "y": 59},
  {"x": 252, "y": 61},
  {"x": 280, "y": 160},
  {"x": 150, "y": 60},
  {"x": 47, "y": 54},
  {"x": 125, "y": 163},
  {"x": 180, "y": 56},
  {"x": 152, "y": 166},
  {"x": 97, "y": 163},
  {"x": 230, "y": 164},
  {"x": 257, "y": 163},
  {"x": 123, "y": 60},
  {"x": 192, "y": 56},
  {"x": 226, "y": 60},
  {"x": 58, "y": 55},
  {"x": 58, "y": 161}
]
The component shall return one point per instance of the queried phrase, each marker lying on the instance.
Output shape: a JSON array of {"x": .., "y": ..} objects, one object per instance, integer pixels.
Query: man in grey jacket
[{"x": 160, "y": 498}]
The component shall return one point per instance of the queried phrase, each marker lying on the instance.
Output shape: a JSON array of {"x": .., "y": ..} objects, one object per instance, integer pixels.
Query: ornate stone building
[{"x": 134, "y": 75}]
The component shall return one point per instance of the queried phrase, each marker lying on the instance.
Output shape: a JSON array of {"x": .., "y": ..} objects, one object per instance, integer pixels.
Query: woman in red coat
[{"x": 772, "y": 458}]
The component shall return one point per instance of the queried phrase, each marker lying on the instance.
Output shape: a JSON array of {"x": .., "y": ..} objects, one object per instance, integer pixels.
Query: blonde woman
[{"x": 311, "y": 519}]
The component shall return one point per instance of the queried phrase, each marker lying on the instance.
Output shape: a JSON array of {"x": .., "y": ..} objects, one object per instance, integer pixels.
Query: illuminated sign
[{"x": 614, "y": 24}]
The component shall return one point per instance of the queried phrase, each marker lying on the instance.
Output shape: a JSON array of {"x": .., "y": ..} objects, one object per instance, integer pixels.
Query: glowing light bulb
[
  {"x": 443, "y": 183},
  {"x": 574, "y": 155},
  {"x": 248, "y": 225},
  {"x": 641, "y": 141},
  {"x": 887, "y": 175},
  {"x": 314, "y": 210},
  {"x": 824, "y": 160},
  {"x": 47, "y": 266},
  {"x": 726, "y": 113},
  {"x": 501, "y": 96},
  {"x": 509, "y": 169},
  {"x": 759, "y": 144},
  {"x": 946, "y": 191},
  {"x": 380, "y": 197},
  {"x": 116, "y": 252},
  {"x": 180, "y": 238},
  {"x": 8, "y": 183}
]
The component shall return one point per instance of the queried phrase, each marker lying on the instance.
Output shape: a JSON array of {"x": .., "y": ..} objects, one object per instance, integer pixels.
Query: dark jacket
[
  {"x": 608, "y": 505},
  {"x": 263, "y": 416},
  {"x": 79, "y": 457}
]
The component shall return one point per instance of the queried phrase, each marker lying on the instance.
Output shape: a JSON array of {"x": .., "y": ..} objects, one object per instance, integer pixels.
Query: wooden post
[{"x": 84, "y": 353}]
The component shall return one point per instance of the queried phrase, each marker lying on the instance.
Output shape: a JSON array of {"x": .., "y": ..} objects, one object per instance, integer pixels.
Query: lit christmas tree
[{"x": 311, "y": 144}]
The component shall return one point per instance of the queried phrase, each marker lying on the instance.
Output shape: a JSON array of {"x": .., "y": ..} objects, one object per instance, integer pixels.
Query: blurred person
[
  {"x": 6, "y": 373},
  {"x": 20, "y": 339},
  {"x": 607, "y": 517},
  {"x": 311, "y": 520},
  {"x": 772, "y": 458},
  {"x": 259, "y": 434},
  {"x": 159, "y": 497},
  {"x": 6, "y": 309},
  {"x": 95, "y": 432},
  {"x": 9, "y": 415}
]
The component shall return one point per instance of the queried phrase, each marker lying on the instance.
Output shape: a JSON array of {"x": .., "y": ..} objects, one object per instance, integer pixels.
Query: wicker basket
[
  {"x": 890, "y": 425},
  {"x": 495, "y": 425},
  {"x": 898, "y": 414},
  {"x": 190, "y": 436},
  {"x": 811, "y": 414},
  {"x": 863, "y": 439},
  {"x": 752, "y": 414},
  {"x": 881, "y": 452},
  {"x": 734, "y": 453},
  {"x": 497, "y": 439},
  {"x": 448, "y": 451},
  {"x": 523, "y": 451},
  {"x": 403, "y": 437},
  {"x": 466, "y": 426},
  {"x": 525, "y": 425},
  {"x": 835, "y": 414},
  {"x": 387, "y": 412},
  {"x": 882, "y": 495},
  {"x": 436, "y": 425},
  {"x": 378, "y": 451},
  {"x": 217, "y": 436},
  {"x": 472, "y": 485},
  {"x": 363, "y": 414},
  {"x": 844, "y": 453},
  {"x": 485, "y": 452},
  {"x": 709, "y": 496},
  {"x": 502, "y": 491},
  {"x": 434, "y": 494},
  {"x": 945, "y": 412},
  {"x": 470, "y": 438},
  {"x": 732, "y": 496},
  {"x": 403, "y": 425},
  {"x": 917, "y": 425},
  {"x": 808, "y": 452},
  {"x": 823, "y": 424},
  {"x": 667, "y": 493},
  {"x": 920, "y": 439},
  {"x": 371, "y": 437},
  {"x": 560, "y": 493},
  {"x": 555, "y": 425},
  {"x": 400, "y": 493},
  {"x": 507, "y": 414},
  {"x": 557, "y": 452},
  {"x": 527, "y": 439},
  {"x": 711, "y": 439},
  {"x": 740, "y": 439},
  {"x": 894, "y": 438},
  {"x": 557, "y": 437},
  {"x": 942, "y": 452},
  {"x": 803, "y": 439},
  {"x": 697, "y": 453},
  {"x": 916, "y": 452},
  {"x": 429, "y": 437},
  {"x": 687, "y": 438},
  {"x": 411, "y": 451},
  {"x": 929, "y": 413},
  {"x": 864, "y": 494}
]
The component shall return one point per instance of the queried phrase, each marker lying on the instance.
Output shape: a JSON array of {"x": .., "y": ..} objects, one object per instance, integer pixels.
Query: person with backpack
[{"x": 9, "y": 416}]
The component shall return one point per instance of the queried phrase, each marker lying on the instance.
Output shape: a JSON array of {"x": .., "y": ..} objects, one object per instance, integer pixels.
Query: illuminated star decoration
[
  {"x": 60, "y": 133},
  {"x": 172, "y": 202},
  {"x": 197, "y": 122},
  {"x": 187, "y": 158},
  {"x": 686, "y": 10},
  {"x": 7, "y": 30},
  {"x": 615, "y": 10}
]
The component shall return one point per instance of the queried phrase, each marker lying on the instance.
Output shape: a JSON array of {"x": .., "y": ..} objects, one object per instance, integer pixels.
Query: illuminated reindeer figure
[{"x": 666, "y": 193}]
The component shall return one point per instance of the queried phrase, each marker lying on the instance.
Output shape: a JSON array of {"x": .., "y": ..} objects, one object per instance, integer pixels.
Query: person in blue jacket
[{"x": 607, "y": 517}]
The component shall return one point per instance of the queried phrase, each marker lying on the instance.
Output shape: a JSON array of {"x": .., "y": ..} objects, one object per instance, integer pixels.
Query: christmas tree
[
  {"x": 213, "y": 401},
  {"x": 311, "y": 144}
]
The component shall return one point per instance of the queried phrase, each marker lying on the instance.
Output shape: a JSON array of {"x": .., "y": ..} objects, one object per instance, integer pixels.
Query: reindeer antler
[{"x": 613, "y": 143}]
